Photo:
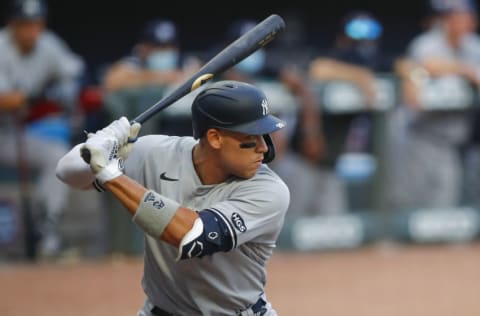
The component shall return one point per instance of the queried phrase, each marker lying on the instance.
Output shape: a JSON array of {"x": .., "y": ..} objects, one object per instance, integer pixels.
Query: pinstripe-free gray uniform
[{"x": 253, "y": 209}]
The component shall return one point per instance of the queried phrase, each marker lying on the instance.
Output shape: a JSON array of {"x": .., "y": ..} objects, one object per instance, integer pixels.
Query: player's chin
[{"x": 249, "y": 172}]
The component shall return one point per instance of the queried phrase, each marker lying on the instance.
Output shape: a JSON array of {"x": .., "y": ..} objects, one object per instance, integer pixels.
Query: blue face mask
[
  {"x": 253, "y": 63},
  {"x": 163, "y": 60}
]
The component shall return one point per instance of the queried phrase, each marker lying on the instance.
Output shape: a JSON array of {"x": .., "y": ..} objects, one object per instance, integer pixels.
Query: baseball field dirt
[{"x": 383, "y": 280}]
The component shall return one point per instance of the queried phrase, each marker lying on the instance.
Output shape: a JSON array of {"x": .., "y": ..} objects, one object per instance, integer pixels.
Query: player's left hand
[{"x": 100, "y": 151}]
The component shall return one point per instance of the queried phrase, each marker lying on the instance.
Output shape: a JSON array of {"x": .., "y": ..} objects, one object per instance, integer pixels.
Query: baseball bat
[{"x": 255, "y": 38}]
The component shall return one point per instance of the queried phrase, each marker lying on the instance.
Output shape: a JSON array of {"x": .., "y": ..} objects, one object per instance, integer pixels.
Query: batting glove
[
  {"x": 106, "y": 150},
  {"x": 120, "y": 129},
  {"x": 100, "y": 151},
  {"x": 125, "y": 133}
]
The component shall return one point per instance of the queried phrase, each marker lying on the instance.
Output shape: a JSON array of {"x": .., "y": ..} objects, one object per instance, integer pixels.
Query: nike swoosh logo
[{"x": 163, "y": 176}]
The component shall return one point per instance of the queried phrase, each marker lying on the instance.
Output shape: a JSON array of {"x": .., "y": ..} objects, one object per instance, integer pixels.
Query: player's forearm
[
  {"x": 127, "y": 191},
  {"x": 330, "y": 69},
  {"x": 74, "y": 171},
  {"x": 128, "y": 78},
  {"x": 132, "y": 194},
  {"x": 12, "y": 100}
]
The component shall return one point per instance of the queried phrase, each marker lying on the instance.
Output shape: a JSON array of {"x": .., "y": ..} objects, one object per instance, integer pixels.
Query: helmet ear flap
[{"x": 270, "y": 154}]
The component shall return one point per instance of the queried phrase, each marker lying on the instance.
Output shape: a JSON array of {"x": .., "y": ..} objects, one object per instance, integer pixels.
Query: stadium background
[
  {"x": 103, "y": 31},
  {"x": 377, "y": 279}
]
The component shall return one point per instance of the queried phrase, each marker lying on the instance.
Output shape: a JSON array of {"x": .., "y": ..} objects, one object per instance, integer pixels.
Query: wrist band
[{"x": 154, "y": 213}]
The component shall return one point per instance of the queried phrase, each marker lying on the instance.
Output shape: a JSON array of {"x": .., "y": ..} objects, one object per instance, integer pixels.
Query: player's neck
[{"x": 205, "y": 165}]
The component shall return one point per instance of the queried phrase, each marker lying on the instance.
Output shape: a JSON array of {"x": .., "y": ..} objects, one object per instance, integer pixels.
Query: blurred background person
[
  {"x": 155, "y": 59},
  {"x": 301, "y": 147},
  {"x": 39, "y": 81},
  {"x": 356, "y": 57},
  {"x": 427, "y": 167},
  {"x": 155, "y": 65},
  {"x": 137, "y": 81}
]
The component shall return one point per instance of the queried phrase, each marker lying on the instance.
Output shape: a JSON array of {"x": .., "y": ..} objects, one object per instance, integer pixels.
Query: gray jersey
[
  {"x": 50, "y": 61},
  {"x": 253, "y": 209},
  {"x": 450, "y": 126}
]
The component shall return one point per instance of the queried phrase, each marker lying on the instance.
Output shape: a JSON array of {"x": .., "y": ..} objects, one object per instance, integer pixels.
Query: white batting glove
[
  {"x": 120, "y": 129},
  {"x": 106, "y": 150},
  {"x": 125, "y": 133},
  {"x": 100, "y": 151}
]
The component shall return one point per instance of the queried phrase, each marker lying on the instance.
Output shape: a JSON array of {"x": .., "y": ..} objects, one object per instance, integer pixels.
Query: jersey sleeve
[
  {"x": 66, "y": 64},
  {"x": 6, "y": 83},
  {"x": 255, "y": 210}
]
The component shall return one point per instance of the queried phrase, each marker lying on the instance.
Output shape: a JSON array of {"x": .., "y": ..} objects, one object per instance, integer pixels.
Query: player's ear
[{"x": 214, "y": 138}]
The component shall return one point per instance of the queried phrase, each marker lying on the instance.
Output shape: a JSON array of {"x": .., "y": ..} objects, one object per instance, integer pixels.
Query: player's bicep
[
  {"x": 256, "y": 214},
  {"x": 211, "y": 233}
]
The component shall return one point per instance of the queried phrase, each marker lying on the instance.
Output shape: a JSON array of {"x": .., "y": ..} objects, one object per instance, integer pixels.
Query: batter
[{"x": 210, "y": 206}]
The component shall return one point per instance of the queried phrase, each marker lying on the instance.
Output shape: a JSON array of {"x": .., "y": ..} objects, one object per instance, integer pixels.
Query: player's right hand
[
  {"x": 120, "y": 129},
  {"x": 125, "y": 149}
]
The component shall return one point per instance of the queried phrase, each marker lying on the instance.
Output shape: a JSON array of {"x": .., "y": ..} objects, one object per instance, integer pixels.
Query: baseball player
[
  {"x": 210, "y": 207},
  {"x": 39, "y": 82}
]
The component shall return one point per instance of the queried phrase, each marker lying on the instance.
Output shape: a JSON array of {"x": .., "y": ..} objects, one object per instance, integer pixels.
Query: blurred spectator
[
  {"x": 356, "y": 57},
  {"x": 39, "y": 82},
  {"x": 155, "y": 64},
  {"x": 426, "y": 142},
  {"x": 155, "y": 59},
  {"x": 314, "y": 191},
  {"x": 266, "y": 64}
]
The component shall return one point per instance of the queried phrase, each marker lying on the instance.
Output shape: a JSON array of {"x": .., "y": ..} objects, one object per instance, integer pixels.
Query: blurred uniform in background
[
  {"x": 301, "y": 146},
  {"x": 426, "y": 142},
  {"x": 39, "y": 82},
  {"x": 356, "y": 58}
]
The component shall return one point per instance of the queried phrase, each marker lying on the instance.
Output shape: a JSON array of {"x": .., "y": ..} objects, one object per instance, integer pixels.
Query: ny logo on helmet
[{"x": 264, "y": 107}]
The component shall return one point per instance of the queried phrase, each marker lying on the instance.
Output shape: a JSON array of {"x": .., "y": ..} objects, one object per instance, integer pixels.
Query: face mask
[
  {"x": 253, "y": 63},
  {"x": 366, "y": 49},
  {"x": 162, "y": 60}
]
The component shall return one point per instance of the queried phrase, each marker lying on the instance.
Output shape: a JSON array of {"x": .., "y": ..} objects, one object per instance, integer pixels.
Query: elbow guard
[{"x": 210, "y": 233}]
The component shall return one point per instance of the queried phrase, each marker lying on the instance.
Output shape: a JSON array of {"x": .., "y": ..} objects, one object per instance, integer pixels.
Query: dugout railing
[{"x": 369, "y": 219}]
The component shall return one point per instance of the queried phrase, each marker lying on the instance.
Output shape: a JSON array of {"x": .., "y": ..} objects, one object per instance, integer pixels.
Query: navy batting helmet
[{"x": 235, "y": 106}]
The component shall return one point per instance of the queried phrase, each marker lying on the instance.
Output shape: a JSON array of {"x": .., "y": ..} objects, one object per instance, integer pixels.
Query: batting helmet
[{"x": 235, "y": 106}]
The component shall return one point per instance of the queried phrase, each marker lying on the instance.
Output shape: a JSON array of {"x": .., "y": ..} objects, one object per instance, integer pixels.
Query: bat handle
[{"x": 133, "y": 140}]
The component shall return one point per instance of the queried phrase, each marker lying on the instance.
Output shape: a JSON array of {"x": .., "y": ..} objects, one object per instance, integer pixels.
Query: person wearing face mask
[
  {"x": 426, "y": 143},
  {"x": 315, "y": 191},
  {"x": 156, "y": 64},
  {"x": 356, "y": 57},
  {"x": 357, "y": 54},
  {"x": 155, "y": 59},
  {"x": 269, "y": 65}
]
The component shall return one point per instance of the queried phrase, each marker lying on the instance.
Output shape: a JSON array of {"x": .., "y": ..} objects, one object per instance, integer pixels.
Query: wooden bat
[
  {"x": 242, "y": 47},
  {"x": 255, "y": 38}
]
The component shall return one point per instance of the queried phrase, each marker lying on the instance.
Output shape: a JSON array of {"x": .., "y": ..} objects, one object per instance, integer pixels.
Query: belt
[
  {"x": 257, "y": 309},
  {"x": 157, "y": 311}
]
